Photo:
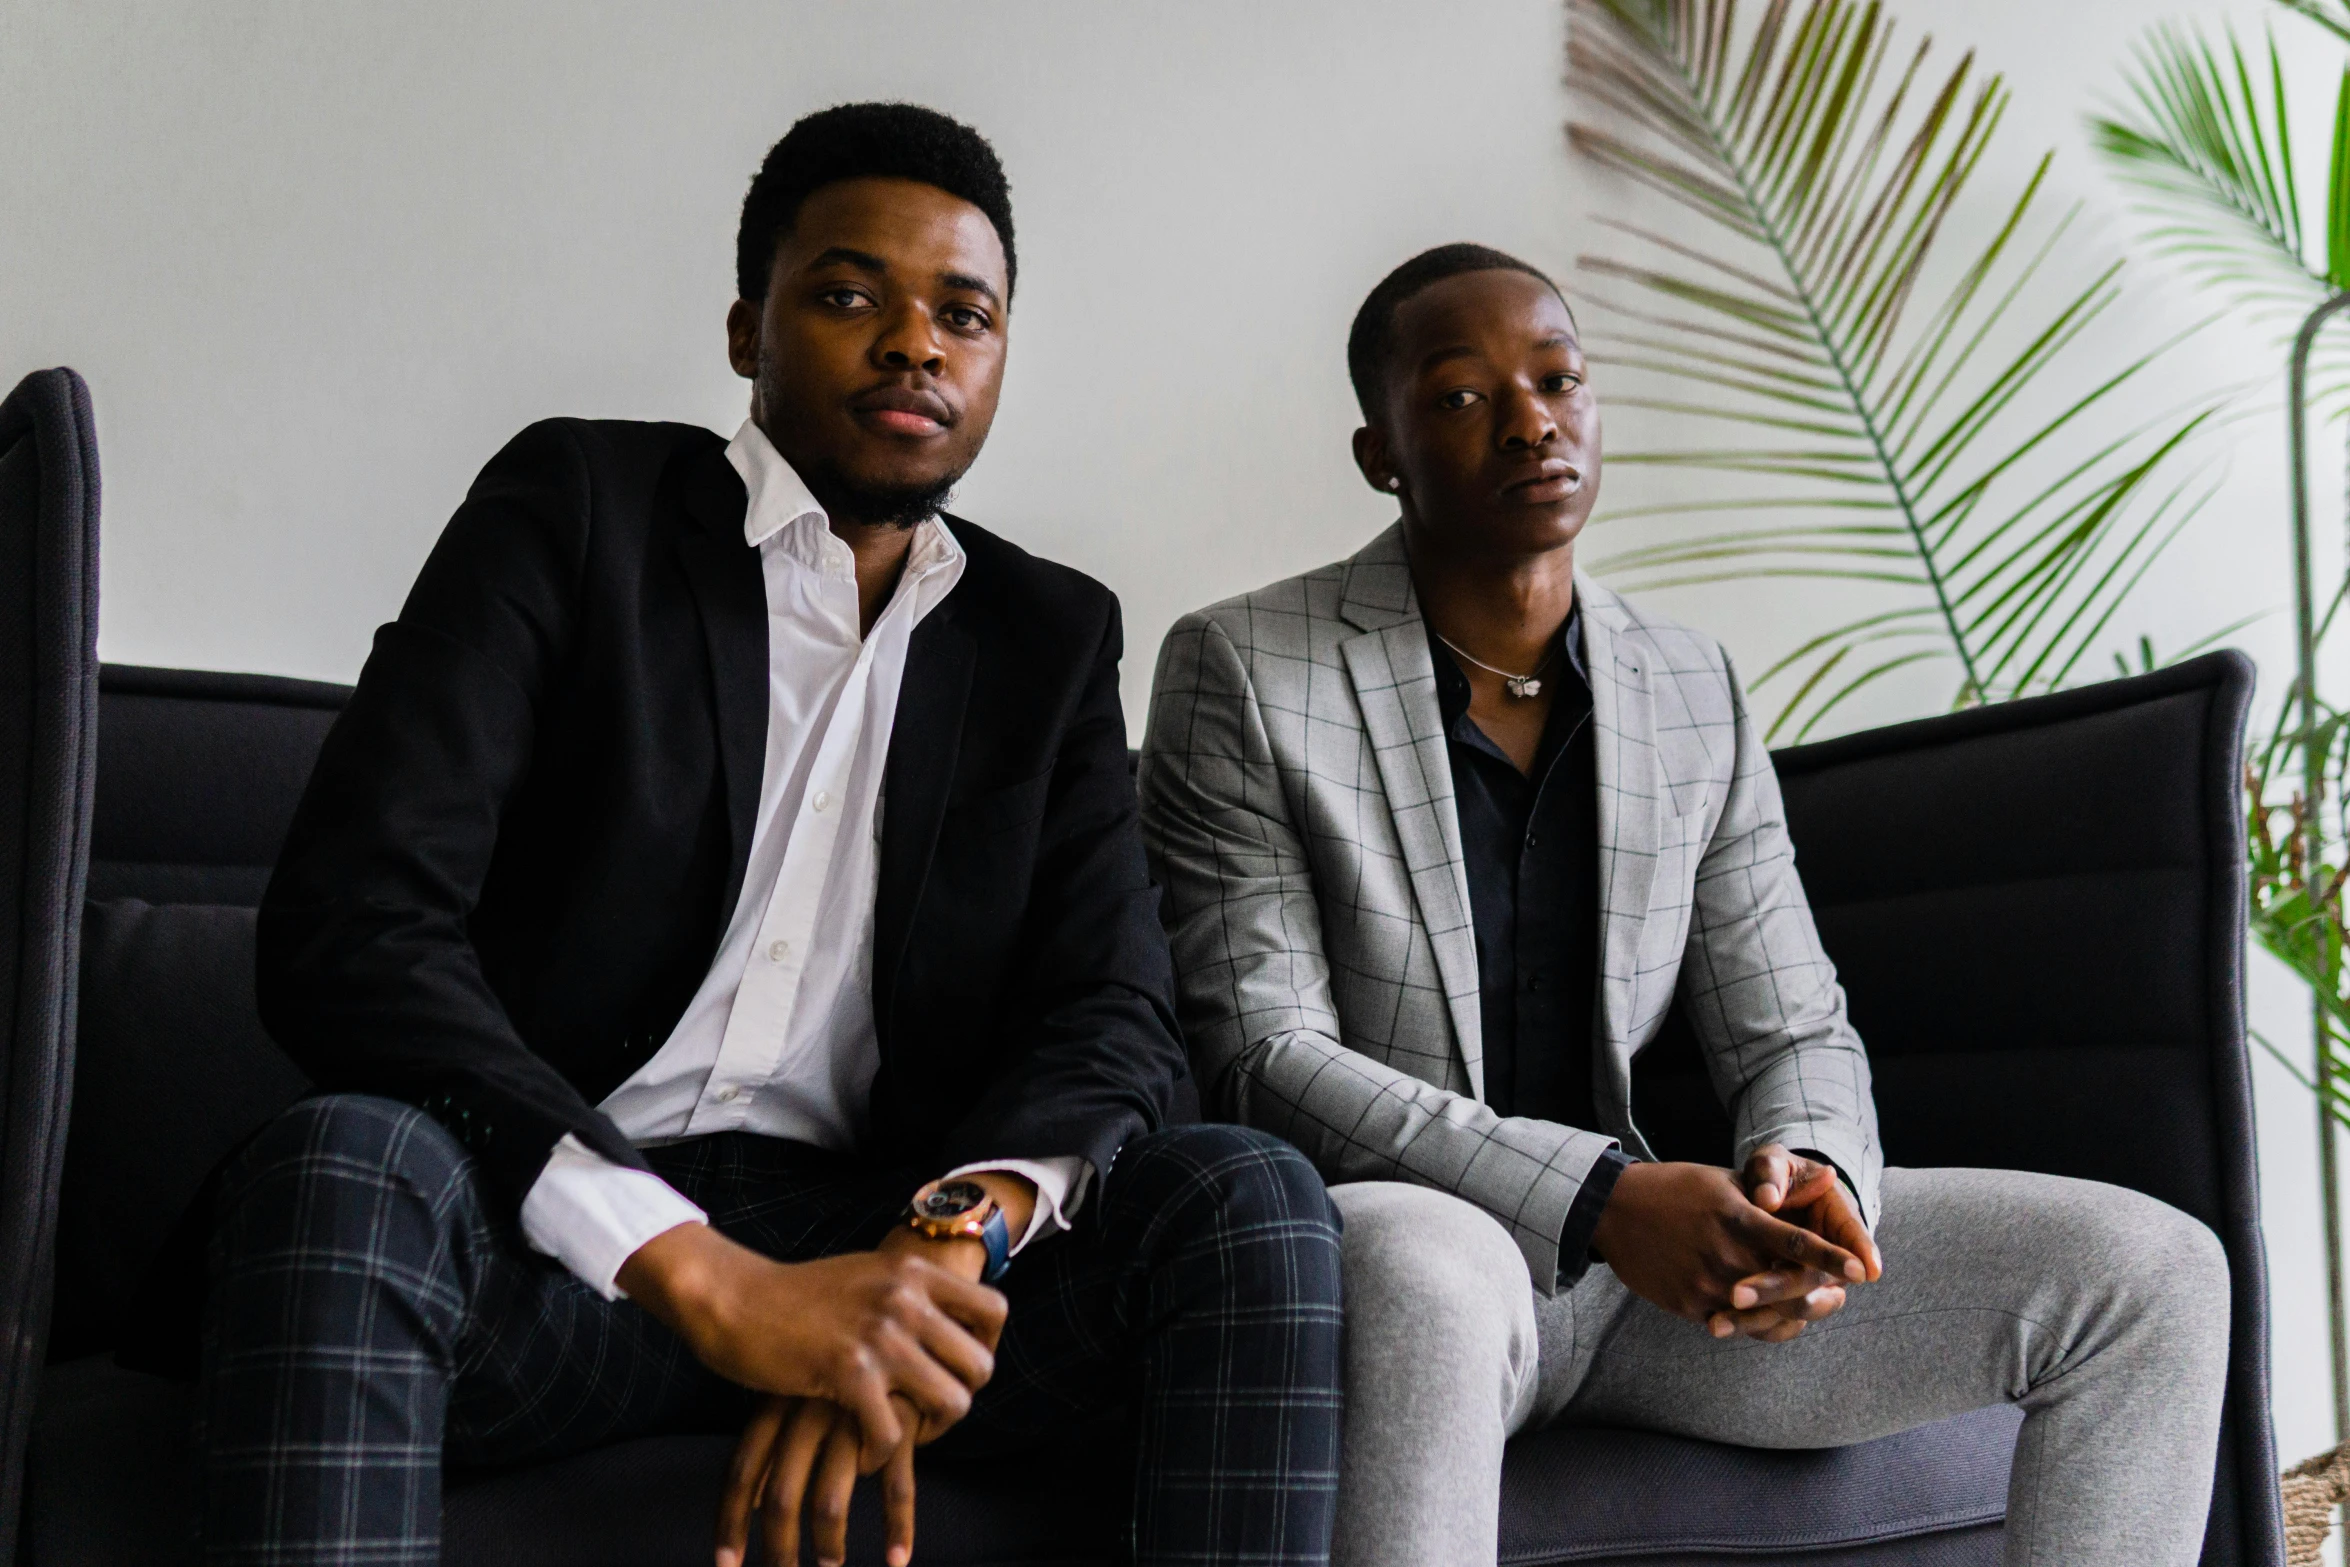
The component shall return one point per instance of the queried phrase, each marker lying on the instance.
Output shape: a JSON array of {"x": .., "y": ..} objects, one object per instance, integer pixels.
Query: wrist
[
  {"x": 962, "y": 1255},
  {"x": 678, "y": 1275},
  {"x": 1609, "y": 1235}
]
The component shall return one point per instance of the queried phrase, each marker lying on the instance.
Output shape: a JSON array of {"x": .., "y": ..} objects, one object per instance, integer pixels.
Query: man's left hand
[
  {"x": 1807, "y": 1192},
  {"x": 802, "y": 1454}
]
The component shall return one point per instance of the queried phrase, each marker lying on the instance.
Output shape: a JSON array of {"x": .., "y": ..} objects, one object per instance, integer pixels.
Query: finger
[
  {"x": 956, "y": 1347},
  {"x": 1781, "y": 1332},
  {"x": 829, "y": 1494},
  {"x": 938, "y": 1397},
  {"x": 752, "y": 1456},
  {"x": 1776, "y": 1238},
  {"x": 787, "y": 1482},
  {"x": 1839, "y": 1223},
  {"x": 1765, "y": 1289},
  {"x": 976, "y": 1306},
  {"x": 1768, "y": 1171},
  {"x": 865, "y": 1380},
  {"x": 897, "y": 1504}
]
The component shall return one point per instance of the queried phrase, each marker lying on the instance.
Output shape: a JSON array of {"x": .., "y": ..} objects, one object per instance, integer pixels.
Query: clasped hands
[
  {"x": 1762, "y": 1252},
  {"x": 862, "y": 1357}
]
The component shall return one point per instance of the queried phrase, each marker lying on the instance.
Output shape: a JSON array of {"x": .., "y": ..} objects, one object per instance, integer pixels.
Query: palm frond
[
  {"x": 2204, "y": 136},
  {"x": 2332, "y": 15},
  {"x": 1859, "y": 333}
]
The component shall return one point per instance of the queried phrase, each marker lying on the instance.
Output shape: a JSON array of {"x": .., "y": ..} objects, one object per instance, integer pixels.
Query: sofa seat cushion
[{"x": 109, "y": 1483}]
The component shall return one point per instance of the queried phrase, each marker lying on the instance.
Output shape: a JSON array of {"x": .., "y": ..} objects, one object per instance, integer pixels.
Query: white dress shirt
[{"x": 779, "y": 1038}]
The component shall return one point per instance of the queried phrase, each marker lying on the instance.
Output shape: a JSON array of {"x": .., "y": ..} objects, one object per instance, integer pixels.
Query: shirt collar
[
  {"x": 782, "y": 505},
  {"x": 779, "y": 496},
  {"x": 783, "y": 508}
]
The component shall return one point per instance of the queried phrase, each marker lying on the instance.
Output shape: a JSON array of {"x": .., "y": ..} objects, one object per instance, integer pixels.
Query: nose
[
  {"x": 1526, "y": 421},
  {"x": 909, "y": 340}
]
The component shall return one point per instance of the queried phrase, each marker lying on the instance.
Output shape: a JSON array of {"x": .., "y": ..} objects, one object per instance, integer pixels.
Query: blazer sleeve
[
  {"x": 1246, "y": 927},
  {"x": 366, "y": 973},
  {"x": 1760, "y": 991},
  {"x": 1091, "y": 993}
]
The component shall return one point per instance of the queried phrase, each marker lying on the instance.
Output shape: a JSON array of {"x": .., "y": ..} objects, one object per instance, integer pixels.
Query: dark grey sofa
[{"x": 2037, "y": 910}]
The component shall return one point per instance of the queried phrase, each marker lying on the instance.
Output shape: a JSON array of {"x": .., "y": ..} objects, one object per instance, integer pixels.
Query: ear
[
  {"x": 742, "y": 337},
  {"x": 1374, "y": 459}
]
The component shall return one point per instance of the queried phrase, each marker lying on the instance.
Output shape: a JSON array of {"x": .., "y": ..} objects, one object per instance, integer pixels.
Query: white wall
[{"x": 319, "y": 262}]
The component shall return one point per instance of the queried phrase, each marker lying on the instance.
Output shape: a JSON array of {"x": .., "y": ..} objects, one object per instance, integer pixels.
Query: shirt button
[
  {"x": 778, "y": 951},
  {"x": 822, "y": 800},
  {"x": 729, "y": 1094}
]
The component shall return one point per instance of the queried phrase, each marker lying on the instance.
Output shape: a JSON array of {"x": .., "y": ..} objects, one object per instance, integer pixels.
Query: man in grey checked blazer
[{"x": 1312, "y": 757}]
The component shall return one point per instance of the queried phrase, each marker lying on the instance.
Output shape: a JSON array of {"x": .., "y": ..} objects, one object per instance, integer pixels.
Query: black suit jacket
[{"x": 529, "y": 827}]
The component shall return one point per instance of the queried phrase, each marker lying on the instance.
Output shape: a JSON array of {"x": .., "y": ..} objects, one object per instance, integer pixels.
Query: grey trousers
[{"x": 2103, "y": 1313}]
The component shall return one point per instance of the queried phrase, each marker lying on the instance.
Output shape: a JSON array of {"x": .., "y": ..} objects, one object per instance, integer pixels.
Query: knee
[
  {"x": 2175, "y": 1263},
  {"x": 345, "y": 1143},
  {"x": 1236, "y": 1188},
  {"x": 1435, "y": 1267},
  {"x": 2152, "y": 1264}
]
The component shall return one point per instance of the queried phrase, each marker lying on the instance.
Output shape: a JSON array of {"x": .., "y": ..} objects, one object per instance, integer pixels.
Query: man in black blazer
[{"x": 719, "y": 925}]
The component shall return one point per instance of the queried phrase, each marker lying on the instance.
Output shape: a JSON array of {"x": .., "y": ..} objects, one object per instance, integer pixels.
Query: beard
[{"x": 883, "y": 506}]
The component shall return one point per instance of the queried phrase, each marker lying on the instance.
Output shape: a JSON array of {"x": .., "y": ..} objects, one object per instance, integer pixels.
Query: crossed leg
[{"x": 2101, "y": 1312}]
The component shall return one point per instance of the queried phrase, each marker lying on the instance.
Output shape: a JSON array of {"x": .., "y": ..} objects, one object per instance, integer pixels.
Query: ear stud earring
[{"x": 1394, "y": 483}]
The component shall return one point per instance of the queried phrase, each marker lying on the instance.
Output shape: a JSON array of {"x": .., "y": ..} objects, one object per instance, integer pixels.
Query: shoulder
[
  {"x": 595, "y": 457},
  {"x": 1026, "y": 592},
  {"x": 1280, "y": 619}
]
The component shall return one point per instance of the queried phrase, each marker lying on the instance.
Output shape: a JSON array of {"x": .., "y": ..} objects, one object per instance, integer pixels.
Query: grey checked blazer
[{"x": 1297, "y": 804}]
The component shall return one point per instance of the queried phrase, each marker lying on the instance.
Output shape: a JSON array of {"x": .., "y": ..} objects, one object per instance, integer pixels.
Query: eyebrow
[
  {"x": 965, "y": 281},
  {"x": 866, "y": 261}
]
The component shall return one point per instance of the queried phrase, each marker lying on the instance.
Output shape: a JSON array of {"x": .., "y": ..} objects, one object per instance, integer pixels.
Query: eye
[
  {"x": 840, "y": 296},
  {"x": 1564, "y": 381},
  {"x": 1459, "y": 397},
  {"x": 967, "y": 318}
]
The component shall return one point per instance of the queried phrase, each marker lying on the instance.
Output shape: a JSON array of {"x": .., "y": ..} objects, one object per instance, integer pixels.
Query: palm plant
[
  {"x": 1868, "y": 384},
  {"x": 2208, "y": 144}
]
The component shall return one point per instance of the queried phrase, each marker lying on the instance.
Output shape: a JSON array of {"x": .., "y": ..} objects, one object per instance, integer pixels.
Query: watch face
[{"x": 951, "y": 1199}]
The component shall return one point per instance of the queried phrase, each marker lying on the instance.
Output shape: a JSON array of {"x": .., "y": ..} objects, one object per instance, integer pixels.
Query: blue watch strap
[{"x": 996, "y": 1235}]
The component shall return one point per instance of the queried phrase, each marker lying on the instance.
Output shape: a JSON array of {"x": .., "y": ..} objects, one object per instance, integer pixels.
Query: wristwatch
[{"x": 946, "y": 1209}]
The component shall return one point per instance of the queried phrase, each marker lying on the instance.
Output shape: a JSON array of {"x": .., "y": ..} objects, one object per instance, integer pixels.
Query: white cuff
[
  {"x": 592, "y": 1215},
  {"x": 1061, "y": 1185}
]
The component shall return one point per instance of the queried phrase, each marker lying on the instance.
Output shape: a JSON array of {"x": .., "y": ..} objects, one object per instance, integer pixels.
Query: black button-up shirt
[{"x": 1531, "y": 842}]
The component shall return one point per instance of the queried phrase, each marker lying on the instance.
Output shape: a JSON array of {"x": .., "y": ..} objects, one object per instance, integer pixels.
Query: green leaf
[{"x": 1857, "y": 346}]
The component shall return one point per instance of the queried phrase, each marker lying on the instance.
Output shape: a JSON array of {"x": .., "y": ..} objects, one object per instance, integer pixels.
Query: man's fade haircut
[
  {"x": 855, "y": 141},
  {"x": 1371, "y": 343}
]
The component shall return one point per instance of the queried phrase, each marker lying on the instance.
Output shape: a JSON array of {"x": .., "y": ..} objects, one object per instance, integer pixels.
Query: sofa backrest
[
  {"x": 2037, "y": 913},
  {"x": 198, "y": 776}
]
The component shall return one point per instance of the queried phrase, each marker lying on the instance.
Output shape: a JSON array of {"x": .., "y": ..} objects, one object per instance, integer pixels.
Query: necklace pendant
[{"x": 1522, "y": 685}]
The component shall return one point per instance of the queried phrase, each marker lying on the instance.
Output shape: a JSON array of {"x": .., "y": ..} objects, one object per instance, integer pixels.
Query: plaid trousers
[{"x": 372, "y": 1318}]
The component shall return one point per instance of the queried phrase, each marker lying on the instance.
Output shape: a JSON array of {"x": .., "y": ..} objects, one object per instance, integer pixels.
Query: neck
[
  {"x": 1503, "y": 612},
  {"x": 881, "y": 549}
]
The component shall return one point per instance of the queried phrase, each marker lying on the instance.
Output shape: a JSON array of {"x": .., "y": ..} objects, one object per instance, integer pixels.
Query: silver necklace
[{"x": 1515, "y": 685}]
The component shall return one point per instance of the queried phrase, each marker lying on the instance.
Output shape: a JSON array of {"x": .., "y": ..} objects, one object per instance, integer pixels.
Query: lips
[
  {"x": 903, "y": 410},
  {"x": 1552, "y": 479}
]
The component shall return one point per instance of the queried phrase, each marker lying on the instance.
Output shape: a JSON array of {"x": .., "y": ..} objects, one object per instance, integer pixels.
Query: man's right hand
[
  {"x": 1686, "y": 1238},
  {"x": 850, "y": 1330}
]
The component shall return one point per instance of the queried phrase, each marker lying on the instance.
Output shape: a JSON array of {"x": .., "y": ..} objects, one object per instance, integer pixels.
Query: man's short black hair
[
  {"x": 1371, "y": 343},
  {"x": 855, "y": 141}
]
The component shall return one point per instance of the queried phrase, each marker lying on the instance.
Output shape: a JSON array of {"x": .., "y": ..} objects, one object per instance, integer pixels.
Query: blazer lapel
[
  {"x": 1395, "y": 689},
  {"x": 1623, "y": 730},
  {"x": 722, "y": 572},
  {"x": 925, "y": 739}
]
